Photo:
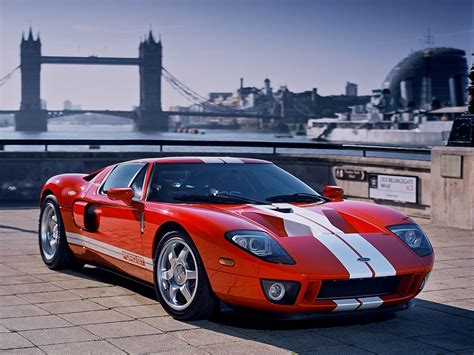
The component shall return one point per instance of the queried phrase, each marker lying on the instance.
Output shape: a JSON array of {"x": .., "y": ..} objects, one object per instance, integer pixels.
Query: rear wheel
[
  {"x": 180, "y": 279},
  {"x": 52, "y": 238}
]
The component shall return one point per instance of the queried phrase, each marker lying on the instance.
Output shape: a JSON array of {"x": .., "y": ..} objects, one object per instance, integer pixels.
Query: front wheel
[
  {"x": 180, "y": 279},
  {"x": 52, "y": 238}
]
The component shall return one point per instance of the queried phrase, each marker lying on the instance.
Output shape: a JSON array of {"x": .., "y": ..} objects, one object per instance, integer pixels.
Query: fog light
[
  {"x": 276, "y": 291},
  {"x": 280, "y": 292}
]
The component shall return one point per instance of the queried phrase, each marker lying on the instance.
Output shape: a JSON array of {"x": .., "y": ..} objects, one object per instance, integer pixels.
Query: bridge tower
[
  {"x": 30, "y": 117},
  {"x": 151, "y": 116}
]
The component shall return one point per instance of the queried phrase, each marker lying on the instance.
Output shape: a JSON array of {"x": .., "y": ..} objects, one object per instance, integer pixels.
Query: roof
[{"x": 202, "y": 160}]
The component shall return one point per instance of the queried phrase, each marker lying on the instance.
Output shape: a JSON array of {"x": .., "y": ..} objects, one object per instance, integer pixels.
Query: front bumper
[
  {"x": 246, "y": 292},
  {"x": 228, "y": 309}
]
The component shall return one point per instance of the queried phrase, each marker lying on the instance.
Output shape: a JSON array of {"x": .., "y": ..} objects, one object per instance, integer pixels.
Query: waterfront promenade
[{"x": 94, "y": 311}]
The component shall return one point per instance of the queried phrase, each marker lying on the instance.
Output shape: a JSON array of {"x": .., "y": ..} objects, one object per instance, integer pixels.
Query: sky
[{"x": 210, "y": 44}]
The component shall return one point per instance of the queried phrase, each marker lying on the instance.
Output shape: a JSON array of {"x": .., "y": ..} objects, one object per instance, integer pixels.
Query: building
[
  {"x": 351, "y": 89},
  {"x": 428, "y": 79},
  {"x": 293, "y": 107},
  {"x": 68, "y": 106}
]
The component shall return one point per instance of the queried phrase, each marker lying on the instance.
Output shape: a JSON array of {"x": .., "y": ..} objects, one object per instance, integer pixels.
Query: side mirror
[
  {"x": 124, "y": 194},
  {"x": 333, "y": 192}
]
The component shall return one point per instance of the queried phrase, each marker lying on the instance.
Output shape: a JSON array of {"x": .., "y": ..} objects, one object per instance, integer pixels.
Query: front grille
[{"x": 353, "y": 288}]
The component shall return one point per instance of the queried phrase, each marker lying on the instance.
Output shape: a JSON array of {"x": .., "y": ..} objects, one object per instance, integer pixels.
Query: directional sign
[
  {"x": 351, "y": 174},
  {"x": 393, "y": 188}
]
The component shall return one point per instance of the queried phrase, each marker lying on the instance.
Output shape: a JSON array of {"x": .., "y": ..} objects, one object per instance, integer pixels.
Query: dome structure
[{"x": 438, "y": 74}]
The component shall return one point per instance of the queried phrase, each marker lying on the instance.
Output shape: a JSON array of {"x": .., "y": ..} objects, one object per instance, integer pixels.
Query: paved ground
[{"x": 97, "y": 312}]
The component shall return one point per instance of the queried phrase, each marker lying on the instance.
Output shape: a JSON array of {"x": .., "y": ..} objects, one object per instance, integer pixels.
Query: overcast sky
[{"x": 210, "y": 44}]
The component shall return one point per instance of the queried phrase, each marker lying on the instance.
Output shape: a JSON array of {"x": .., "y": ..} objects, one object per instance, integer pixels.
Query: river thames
[{"x": 119, "y": 132}]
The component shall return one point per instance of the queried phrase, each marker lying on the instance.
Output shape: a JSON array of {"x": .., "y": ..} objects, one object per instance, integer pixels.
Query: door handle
[{"x": 142, "y": 223}]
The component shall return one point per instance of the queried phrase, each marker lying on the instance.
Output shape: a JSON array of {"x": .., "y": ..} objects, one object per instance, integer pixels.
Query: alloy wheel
[
  {"x": 49, "y": 232},
  {"x": 177, "y": 273}
]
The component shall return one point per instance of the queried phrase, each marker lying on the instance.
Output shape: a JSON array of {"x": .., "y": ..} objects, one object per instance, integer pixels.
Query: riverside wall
[{"x": 23, "y": 173}]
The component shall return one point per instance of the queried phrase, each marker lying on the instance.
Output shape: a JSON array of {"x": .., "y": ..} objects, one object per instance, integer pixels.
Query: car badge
[{"x": 363, "y": 259}]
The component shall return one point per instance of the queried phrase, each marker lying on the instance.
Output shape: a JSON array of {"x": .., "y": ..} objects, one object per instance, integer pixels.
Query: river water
[{"x": 97, "y": 131}]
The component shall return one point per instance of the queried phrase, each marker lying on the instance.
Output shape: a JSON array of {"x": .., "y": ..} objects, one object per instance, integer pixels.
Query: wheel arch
[
  {"x": 44, "y": 194},
  {"x": 166, "y": 227}
]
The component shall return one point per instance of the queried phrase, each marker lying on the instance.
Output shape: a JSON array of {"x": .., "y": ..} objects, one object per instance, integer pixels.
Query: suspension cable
[
  {"x": 8, "y": 76},
  {"x": 203, "y": 102}
]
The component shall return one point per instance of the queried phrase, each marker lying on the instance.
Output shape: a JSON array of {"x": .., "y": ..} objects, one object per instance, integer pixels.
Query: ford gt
[{"x": 214, "y": 233}]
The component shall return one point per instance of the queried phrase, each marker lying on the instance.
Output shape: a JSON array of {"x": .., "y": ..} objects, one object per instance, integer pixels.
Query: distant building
[
  {"x": 68, "y": 106},
  {"x": 43, "y": 104},
  {"x": 293, "y": 107},
  {"x": 351, "y": 89},
  {"x": 432, "y": 76},
  {"x": 298, "y": 107},
  {"x": 219, "y": 96}
]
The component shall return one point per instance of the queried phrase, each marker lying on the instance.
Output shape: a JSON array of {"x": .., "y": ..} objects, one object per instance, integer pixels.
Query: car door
[{"x": 119, "y": 223}]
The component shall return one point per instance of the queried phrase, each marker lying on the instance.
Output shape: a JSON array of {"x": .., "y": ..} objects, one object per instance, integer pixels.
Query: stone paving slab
[
  {"x": 85, "y": 347},
  {"x": 95, "y": 312}
]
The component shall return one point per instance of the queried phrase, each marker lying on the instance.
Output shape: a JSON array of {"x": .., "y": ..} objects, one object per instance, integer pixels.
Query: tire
[
  {"x": 52, "y": 238},
  {"x": 180, "y": 280}
]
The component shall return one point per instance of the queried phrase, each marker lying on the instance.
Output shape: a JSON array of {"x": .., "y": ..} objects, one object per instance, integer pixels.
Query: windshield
[{"x": 187, "y": 183}]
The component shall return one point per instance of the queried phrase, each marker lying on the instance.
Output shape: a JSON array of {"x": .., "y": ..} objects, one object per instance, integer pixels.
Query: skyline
[{"x": 285, "y": 41}]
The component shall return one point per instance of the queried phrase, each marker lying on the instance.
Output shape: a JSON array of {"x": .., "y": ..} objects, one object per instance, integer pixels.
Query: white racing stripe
[
  {"x": 352, "y": 304},
  {"x": 231, "y": 160},
  {"x": 370, "y": 302},
  {"x": 316, "y": 217},
  {"x": 378, "y": 262},
  {"x": 110, "y": 250},
  {"x": 346, "y": 256},
  {"x": 211, "y": 160}
]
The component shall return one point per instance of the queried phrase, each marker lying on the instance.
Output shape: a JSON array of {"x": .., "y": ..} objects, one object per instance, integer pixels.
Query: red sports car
[{"x": 234, "y": 233}]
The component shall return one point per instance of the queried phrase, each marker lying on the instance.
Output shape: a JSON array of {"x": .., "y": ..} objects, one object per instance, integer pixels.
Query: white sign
[{"x": 393, "y": 188}]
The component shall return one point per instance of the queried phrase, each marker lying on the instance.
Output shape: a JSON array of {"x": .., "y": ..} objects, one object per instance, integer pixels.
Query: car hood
[{"x": 337, "y": 239}]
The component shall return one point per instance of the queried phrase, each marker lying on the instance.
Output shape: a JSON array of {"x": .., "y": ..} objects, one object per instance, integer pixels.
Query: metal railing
[{"x": 274, "y": 146}]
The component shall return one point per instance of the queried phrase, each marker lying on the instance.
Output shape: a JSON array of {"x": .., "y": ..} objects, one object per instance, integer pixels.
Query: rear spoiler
[{"x": 92, "y": 175}]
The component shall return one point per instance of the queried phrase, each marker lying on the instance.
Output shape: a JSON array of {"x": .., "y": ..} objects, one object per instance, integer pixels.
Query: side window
[
  {"x": 138, "y": 182},
  {"x": 121, "y": 176}
]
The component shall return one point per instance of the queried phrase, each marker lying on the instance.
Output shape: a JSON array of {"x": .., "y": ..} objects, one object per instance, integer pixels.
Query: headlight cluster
[
  {"x": 261, "y": 245},
  {"x": 414, "y": 237}
]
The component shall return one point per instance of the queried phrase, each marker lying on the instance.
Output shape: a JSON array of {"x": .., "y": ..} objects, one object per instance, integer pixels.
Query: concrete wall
[
  {"x": 23, "y": 173},
  {"x": 318, "y": 171},
  {"x": 453, "y": 187}
]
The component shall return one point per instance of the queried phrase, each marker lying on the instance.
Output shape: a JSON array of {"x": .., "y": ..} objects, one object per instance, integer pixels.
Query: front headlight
[
  {"x": 414, "y": 237},
  {"x": 261, "y": 245}
]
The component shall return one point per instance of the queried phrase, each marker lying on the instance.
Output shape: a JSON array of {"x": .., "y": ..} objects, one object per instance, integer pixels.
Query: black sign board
[{"x": 351, "y": 174}]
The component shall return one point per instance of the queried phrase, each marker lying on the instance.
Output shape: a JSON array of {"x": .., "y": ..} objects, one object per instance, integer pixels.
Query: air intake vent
[{"x": 353, "y": 288}]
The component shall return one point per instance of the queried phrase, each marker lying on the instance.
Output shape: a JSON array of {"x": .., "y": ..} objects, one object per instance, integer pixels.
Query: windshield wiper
[
  {"x": 218, "y": 199},
  {"x": 298, "y": 197}
]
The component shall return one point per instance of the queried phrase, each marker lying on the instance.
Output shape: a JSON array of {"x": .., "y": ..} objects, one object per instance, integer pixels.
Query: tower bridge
[{"x": 149, "y": 116}]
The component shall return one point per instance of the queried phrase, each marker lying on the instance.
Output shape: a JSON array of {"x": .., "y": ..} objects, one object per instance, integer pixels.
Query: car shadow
[
  {"x": 112, "y": 278},
  {"x": 429, "y": 326}
]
